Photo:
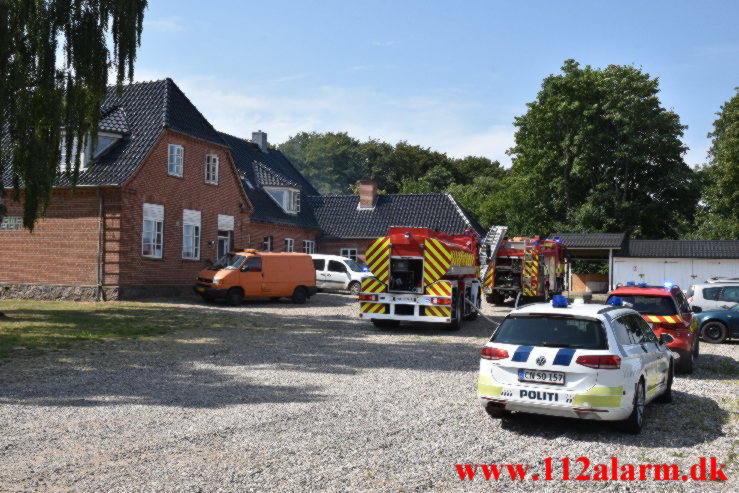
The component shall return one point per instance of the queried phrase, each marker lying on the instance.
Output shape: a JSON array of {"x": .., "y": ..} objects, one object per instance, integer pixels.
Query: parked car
[
  {"x": 253, "y": 274},
  {"x": 667, "y": 310},
  {"x": 713, "y": 295},
  {"x": 722, "y": 280},
  {"x": 335, "y": 272},
  {"x": 718, "y": 325},
  {"x": 598, "y": 362}
]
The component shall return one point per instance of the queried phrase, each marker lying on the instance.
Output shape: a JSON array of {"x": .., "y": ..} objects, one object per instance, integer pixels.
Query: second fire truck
[{"x": 533, "y": 268}]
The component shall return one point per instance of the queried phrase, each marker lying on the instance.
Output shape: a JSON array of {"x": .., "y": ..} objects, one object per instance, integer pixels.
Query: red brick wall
[
  {"x": 257, "y": 231},
  {"x": 152, "y": 184},
  {"x": 62, "y": 249},
  {"x": 334, "y": 246}
]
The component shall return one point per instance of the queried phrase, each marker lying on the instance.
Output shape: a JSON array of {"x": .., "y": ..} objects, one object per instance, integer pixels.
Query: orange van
[{"x": 253, "y": 274}]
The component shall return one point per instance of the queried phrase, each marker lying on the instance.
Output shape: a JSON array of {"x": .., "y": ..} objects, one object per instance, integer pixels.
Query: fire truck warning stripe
[
  {"x": 372, "y": 308},
  {"x": 442, "y": 288},
  {"x": 438, "y": 311},
  {"x": 373, "y": 286},
  {"x": 437, "y": 260},
  {"x": 670, "y": 319},
  {"x": 378, "y": 258}
]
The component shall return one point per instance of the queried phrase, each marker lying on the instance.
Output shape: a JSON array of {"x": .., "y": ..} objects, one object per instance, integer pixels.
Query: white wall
[{"x": 680, "y": 271}]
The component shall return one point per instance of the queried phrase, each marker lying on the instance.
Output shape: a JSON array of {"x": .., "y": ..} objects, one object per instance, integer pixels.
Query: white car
[
  {"x": 335, "y": 272},
  {"x": 600, "y": 362},
  {"x": 714, "y": 295}
]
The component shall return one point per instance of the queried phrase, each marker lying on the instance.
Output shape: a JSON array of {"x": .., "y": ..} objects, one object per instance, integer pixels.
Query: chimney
[
  {"x": 367, "y": 194},
  {"x": 260, "y": 139}
]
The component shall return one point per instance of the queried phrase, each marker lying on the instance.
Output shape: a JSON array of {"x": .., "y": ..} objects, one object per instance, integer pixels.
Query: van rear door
[{"x": 320, "y": 266}]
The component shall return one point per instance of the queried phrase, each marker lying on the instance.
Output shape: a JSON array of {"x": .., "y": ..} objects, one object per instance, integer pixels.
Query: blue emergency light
[
  {"x": 365, "y": 269},
  {"x": 667, "y": 284},
  {"x": 616, "y": 301},
  {"x": 559, "y": 301},
  {"x": 407, "y": 234},
  {"x": 631, "y": 283},
  {"x": 643, "y": 285}
]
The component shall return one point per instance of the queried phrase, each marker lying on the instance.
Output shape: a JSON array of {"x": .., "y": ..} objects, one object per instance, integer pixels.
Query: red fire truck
[
  {"x": 533, "y": 267},
  {"x": 421, "y": 275}
]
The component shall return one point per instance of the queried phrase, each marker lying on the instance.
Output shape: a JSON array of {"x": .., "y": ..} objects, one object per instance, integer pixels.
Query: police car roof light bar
[
  {"x": 559, "y": 301},
  {"x": 616, "y": 301}
]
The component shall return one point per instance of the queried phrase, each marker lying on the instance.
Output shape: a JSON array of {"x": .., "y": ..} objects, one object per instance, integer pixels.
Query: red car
[{"x": 667, "y": 310}]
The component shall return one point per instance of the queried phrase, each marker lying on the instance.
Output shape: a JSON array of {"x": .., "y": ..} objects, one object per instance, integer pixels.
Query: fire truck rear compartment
[
  {"x": 406, "y": 275},
  {"x": 507, "y": 273}
]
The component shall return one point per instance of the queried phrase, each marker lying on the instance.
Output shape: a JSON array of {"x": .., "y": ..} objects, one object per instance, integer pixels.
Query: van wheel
[
  {"x": 235, "y": 297},
  {"x": 354, "y": 288},
  {"x": 300, "y": 296},
  {"x": 634, "y": 422},
  {"x": 714, "y": 332}
]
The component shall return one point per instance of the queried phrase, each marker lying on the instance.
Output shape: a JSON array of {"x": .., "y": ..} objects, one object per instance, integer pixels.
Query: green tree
[
  {"x": 597, "y": 152},
  {"x": 436, "y": 180},
  {"x": 718, "y": 217},
  {"x": 44, "y": 101}
]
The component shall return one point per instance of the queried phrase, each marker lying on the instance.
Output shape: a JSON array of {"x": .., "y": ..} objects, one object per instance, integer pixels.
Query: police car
[{"x": 600, "y": 362}]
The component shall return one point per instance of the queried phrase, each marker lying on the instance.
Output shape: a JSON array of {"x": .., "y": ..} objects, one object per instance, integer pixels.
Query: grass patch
[{"x": 33, "y": 326}]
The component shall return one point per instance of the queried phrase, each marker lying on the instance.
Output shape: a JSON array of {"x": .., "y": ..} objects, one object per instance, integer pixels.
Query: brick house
[
  {"x": 158, "y": 198},
  {"x": 282, "y": 219},
  {"x": 349, "y": 222}
]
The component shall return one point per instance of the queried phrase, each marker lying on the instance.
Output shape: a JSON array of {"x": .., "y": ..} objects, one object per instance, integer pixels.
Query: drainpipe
[{"x": 99, "y": 273}]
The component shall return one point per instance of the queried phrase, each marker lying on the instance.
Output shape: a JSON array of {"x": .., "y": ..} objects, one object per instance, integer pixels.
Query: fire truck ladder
[{"x": 494, "y": 238}]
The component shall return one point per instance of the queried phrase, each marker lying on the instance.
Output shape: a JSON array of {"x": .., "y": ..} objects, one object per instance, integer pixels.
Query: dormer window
[
  {"x": 287, "y": 198},
  {"x": 104, "y": 142}
]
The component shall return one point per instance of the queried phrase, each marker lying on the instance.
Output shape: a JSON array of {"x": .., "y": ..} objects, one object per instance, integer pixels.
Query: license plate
[
  {"x": 201, "y": 290},
  {"x": 541, "y": 376},
  {"x": 404, "y": 298}
]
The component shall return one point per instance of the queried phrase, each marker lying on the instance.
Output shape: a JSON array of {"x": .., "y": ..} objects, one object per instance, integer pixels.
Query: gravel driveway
[{"x": 310, "y": 398}]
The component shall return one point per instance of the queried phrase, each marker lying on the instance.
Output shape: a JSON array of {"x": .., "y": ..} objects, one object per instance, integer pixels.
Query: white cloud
[{"x": 165, "y": 24}]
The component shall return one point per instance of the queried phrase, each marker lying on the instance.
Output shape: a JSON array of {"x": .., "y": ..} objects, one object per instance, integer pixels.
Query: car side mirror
[
  {"x": 696, "y": 309},
  {"x": 665, "y": 338}
]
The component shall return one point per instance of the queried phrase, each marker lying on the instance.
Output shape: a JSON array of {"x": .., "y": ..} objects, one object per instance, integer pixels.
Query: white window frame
[
  {"x": 309, "y": 246},
  {"x": 267, "y": 244},
  {"x": 153, "y": 223},
  {"x": 289, "y": 199},
  {"x": 191, "y": 221},
  {"x": 175, "y": 160},
  {"x": 347, "y": 253},
  {"x": 11, "y": 223},
  {"x": 212, "y": 163},
  {"x": 289, "y": 245}
]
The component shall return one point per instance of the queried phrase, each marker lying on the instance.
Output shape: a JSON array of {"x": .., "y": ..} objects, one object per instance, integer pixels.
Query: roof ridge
[
  {"x": 172, "y": 86},
  {"x": 459, "y": 209}
]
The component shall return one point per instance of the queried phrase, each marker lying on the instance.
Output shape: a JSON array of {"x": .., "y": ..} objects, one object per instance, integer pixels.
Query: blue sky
[{"x": 446, "y": 75}]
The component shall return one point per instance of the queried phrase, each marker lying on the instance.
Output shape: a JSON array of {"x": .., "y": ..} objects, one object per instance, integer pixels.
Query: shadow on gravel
[
  {"x": 687, "y": 421},
  {"x": 715, "y": 367},
  {"x": 209, "y": 363}
]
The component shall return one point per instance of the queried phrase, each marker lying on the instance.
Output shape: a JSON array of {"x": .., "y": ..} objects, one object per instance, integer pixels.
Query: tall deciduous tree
[
  {"x": 719, "y": 214},
  {"x": 596, "y": 151},
  {"x": 44, "y": 100}
]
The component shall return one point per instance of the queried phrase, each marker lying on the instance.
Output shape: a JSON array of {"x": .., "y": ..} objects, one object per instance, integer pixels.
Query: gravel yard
[{"x": 310, "y": 398}]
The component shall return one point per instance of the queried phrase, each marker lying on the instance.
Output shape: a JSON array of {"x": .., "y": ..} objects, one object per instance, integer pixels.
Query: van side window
[
  {"x": 319, "y": 263},
  {"x": 334, "y": 266},
  {"x": 711, "y": 293},
  {"x": 253, "y": 264},
  {"x": 730, "y": 293}
]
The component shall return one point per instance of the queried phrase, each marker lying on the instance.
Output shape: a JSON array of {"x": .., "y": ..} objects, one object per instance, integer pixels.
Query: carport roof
[
  {"x": 723, "y": 249},
  {"x": 612, "y": 241}
]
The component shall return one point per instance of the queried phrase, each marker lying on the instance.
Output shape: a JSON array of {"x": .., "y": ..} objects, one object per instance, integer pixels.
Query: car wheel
[
  {"x": 300, "y": 296},
  {"x": 497, "y": 412},
  {"x": 235, "y": 296},
  {"x": 685, "y": 363},
  {"x": 456, "y": 322},
  {"x": 385, "y": 324},
  {"x": 714, "y": 332},
  {"x": 354, "y": 288},
  {"x": 666, "y": 396},
  {"x": 634, "y": 422}
]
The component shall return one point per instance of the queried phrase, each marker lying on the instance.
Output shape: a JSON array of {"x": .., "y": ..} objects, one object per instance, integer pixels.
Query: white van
[{"x": 335, "y": 272}]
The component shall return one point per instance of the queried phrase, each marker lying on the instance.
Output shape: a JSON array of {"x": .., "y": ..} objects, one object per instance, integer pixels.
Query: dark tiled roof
[
  {"x": 339, "y": 216},
  {"x": 682, "y": 249},
  {"x": 258, "y": 169},
  {"x": 141, "y": 112},
  {"x": 590, "y": 240}
]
